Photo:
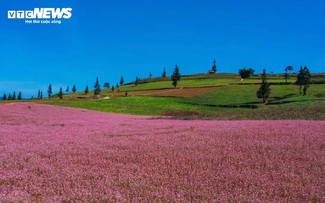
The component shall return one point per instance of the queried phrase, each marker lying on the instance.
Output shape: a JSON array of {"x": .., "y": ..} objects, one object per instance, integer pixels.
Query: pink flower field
[{"x": 57, "y": 154}]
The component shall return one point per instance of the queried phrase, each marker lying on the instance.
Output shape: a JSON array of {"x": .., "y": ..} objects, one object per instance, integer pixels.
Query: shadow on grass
[{"x": 248, "y": 105}]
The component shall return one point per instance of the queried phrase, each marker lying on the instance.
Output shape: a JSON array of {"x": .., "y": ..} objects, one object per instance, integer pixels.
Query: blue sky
[{"x": 132, "y": 38}]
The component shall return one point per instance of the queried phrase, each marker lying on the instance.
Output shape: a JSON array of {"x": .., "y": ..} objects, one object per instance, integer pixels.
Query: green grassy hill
[{"x": 231, "y": 99}]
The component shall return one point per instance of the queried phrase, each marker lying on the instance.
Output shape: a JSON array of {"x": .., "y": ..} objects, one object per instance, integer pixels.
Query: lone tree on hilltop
[
  {"x": 286, "y": 74},
  {"x": 176, "y": 76},
  {"x": 265, "y": 90},
  {"x": 74, "y": 89},
  {"x": 49, "y": 91},
  {"x": 246, "y": 72},
  {"x": 163, "y": 73},
  {"x": 97, "y": 87},
  {"x": 86, "y": 89},
  {"x": 60, "y": 93},
  {"x": 303, "y": 79},
  {"x": 214, "y": 66},
  {"x": 122, "y": 80}
]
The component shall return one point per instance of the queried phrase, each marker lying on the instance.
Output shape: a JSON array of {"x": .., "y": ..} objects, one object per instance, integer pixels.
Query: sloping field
[
  {"x": 171, "y": 92},
  {"x": 56, "y": 154}
]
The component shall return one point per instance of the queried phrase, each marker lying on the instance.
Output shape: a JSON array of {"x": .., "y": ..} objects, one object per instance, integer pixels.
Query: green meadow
[{"x": 232, "y": 99}]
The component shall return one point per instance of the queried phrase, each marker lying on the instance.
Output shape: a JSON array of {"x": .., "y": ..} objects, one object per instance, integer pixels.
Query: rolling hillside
[{"x": 221, "y": 96}]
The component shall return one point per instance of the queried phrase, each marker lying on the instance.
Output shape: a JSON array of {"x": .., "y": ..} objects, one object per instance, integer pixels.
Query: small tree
[
  {"x": 60, "y": 93},
  {"x": 303, "y": 79},
  {"x": 246, "y": 72},
  {"x": 117, "y": 86},
  {"x": 163, "y": 73},
  {"x": 86, "y": 89},
  {"x": 286, "y": 74},
  {"x": 4, "y": 98},
  {"x": 19, "y": 96},
  {"x": 14, "y": 96},
  {"x": 67, "y": 90},
  {"x": 74, "y": 89},
  {"x": 41, "y": 97},
  {"x": 106, "y": 85},
  {"x": 214, "y": 66},
  {"x": 122, "y": 80},
  {"x": 150, "y": 75},
  {"x": 264, "y": 91},
  {"x": 176, "y": 76},
  {"x": 39, "y": 94},
  {"x": 113, "y": 88},
  {"x": 136, "y": 81},
  {"x": 49, "y": 91},
  {"x": 97, "y": 87},
  {"x": 9, "y": 97}
]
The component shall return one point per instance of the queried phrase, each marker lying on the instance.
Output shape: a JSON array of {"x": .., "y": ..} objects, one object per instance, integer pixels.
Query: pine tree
[
  {"x": 303, "y": 79},
  {"x": 41, "y": 97},
  {"x": 113, "y": 88},
  {"x": 163, "y": 73},
  {"x": 150, "y": 75},
  {"x": 122, "y": 80},
  {"x": 176, "y": 76},
  {"x": 264, "y": 90},
  {"x": 214, "y": 66},
  {"x": 4, "y": 98},
  {"x": 67, "y": 90},
  {"x": 60, "y": 93},
  {"x": 86, "y": 89},
  {"x": 97, "y": 87},
  {"x": 74, "y": 89},
  {"x": 14, "y": 96},
  {"x": 136, "y": 81},
  {"x": 19, "y": 96},
  {"x": 9, "y": 97},
  {"x": 49, "y": 91},
  {"x": 39, "y": 94}
]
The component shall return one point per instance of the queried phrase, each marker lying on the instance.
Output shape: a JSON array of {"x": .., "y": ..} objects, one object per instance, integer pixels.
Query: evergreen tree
[
  {"x": 303, "y": 79},
  {"x": 122, "y": 80},
  {"x": 67, "y": 90},
  {"x": 41, "y": 97},
  {"x": 176, "y": 76},
  {"x": 14, "y": 96},
  {"x": 264, "y": 90},
  {"x": 163, "y": 73},
  {"x": 74, "y": 89},
  {"x": 214, "y": 66},
  {"x": 150, "y": 75},
  {"x": 136, "y": 81},
  {"x": 49, "y": 91},
  {"x": 97, "y": 87},
  {"x": 113, "y": 88},
  {"x": 60, "y": 93},
  {"x": 86, "y": 89},
  {"x": 39, "y": 94},
  {"x": 4, "y": 98},
  {"x": 107, "y": 85},
  {"x": 9, "y": 97},
  {"x": 19, "y": 96},
  {"x": 117, "y": 86}
]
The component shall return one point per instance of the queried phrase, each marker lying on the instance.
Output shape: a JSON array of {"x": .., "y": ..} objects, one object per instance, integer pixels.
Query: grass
[{"x": 234, "y": 99}]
